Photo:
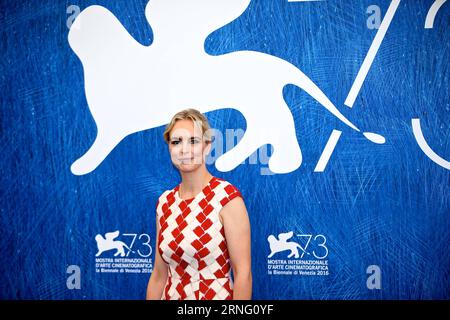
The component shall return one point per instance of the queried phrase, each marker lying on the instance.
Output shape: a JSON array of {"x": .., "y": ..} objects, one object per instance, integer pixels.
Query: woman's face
[{"x": 187, "y": 146}]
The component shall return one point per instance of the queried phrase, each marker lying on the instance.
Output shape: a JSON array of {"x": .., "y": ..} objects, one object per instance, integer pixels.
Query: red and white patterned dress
[{"x": 192, "y": 243}]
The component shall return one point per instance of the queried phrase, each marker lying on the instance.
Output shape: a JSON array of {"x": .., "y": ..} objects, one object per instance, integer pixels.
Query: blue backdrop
[{"x": 374, "y": 205}]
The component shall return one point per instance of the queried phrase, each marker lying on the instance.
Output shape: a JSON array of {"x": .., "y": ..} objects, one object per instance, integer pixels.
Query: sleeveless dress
[{"x": 192, "y": 242}]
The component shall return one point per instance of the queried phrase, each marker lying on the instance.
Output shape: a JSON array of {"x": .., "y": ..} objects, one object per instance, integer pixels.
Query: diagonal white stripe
[
  {"x": 326, "y": 154},
  {"x": 357, "y": 84},
  {"x": 359, "y": 80}
]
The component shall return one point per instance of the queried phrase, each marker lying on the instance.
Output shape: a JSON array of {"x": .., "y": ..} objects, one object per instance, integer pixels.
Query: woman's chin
[{"x": 188, "y": 167}]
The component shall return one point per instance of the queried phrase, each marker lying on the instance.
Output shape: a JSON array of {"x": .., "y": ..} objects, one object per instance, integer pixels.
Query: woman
[{"x": 202, "y": 226}]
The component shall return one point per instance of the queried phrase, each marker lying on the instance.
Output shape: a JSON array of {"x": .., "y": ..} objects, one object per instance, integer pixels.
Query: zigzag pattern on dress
[{"x": 192, "y": 242}]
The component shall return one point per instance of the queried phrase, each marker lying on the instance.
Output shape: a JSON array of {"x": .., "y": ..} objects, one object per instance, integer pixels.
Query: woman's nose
[{"x": 185, "y": 147}]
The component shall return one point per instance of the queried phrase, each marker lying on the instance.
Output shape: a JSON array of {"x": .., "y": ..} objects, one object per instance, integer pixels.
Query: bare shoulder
[
  {"x": 235, "y": 203},
  {"x": 234, "y": 209}
]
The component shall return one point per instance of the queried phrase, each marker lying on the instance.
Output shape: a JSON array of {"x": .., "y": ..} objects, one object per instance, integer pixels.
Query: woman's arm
[
  {"x": 158, "y": 278},
  {"x": 237, "y": 234}
]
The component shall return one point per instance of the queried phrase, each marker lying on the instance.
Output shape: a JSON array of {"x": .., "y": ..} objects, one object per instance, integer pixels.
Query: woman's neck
[{"x": 193, "y": 182}]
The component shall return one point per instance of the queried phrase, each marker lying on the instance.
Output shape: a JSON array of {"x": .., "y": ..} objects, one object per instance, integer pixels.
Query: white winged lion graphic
[{"x": 130, "y": 87}]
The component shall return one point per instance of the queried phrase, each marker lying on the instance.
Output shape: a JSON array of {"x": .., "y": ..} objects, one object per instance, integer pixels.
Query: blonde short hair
[{"x": 190, "y": 114}]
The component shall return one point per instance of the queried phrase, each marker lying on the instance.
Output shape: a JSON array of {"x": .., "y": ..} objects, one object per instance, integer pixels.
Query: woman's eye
[{"x": 175, "y": 142}]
